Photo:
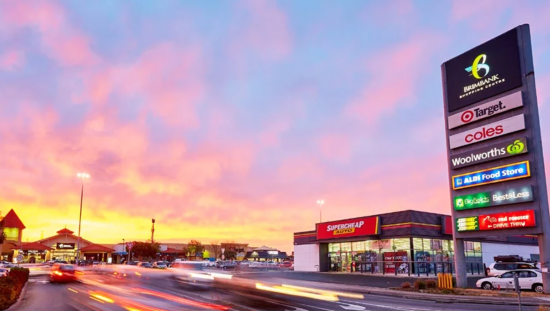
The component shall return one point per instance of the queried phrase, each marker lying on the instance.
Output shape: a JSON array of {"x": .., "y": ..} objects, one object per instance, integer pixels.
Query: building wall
[
  {"x": 306, "y": 257},
  {"x": 490, "y": 250}
]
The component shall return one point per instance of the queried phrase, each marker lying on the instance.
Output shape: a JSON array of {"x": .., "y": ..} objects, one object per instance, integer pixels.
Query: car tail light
[{"x": 57, "y": 273}]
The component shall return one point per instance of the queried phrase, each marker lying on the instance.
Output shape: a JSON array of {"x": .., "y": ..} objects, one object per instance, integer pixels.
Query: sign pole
[{"x": 539, "y": 173}]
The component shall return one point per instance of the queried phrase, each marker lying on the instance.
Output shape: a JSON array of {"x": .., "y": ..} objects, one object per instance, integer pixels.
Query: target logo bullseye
[{"x": 467, "y": 116}]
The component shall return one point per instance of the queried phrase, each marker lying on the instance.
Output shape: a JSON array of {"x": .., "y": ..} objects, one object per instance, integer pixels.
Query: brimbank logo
[{"x": 479, "y": 63}]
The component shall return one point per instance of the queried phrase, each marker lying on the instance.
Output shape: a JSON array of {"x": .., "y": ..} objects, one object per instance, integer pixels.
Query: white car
[
  {"x": 3, "y": 272},
  {"x": 528, "y": 279},
  {"x": 498, "y": 268}
]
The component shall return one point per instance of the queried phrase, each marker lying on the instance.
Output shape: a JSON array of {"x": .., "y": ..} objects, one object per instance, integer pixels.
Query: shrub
[
  {"x": 9, "y": 291},
  {"x": 20, "y": 274},
  {"x": 406, "y": 285},
  {"x": 431, "y": 284},
  {"x": 543, "y": 308},
  {"x": 420, "y": 284}
]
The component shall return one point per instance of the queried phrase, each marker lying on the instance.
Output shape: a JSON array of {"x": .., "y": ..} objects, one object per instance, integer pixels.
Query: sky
[{"x": 228, "y": 120}]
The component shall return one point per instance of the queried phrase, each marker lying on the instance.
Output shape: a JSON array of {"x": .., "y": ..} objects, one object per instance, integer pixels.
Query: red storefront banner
[
  {"x": 348, "y": 228},
  {"x": 393, "y": 260},
  {"x": 510, "y": 220}
]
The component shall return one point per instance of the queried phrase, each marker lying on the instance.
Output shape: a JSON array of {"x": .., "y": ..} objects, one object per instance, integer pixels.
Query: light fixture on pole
[
  {"x": 82, "y": 176},
  {"x": 320, "y": 203}
]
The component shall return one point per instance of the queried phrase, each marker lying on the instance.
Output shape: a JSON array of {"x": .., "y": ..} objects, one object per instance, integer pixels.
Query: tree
[
  {"x": 195, "y": 247},
  {"x": 145, "y": 249},
  {"x": 216, "y": 249},
  {"x": 230, "y": 250}
]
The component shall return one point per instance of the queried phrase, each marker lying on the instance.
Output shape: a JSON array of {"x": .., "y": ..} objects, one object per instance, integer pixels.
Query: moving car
[
  {"x": 528, "y": 279},
  {"x": 159, "y": 265},
  {"x": 144, "y": 265},
  {"x": 498, "y": 268},
  {"x": 62, "y": 273},
  {"x": 190, "y": 273}
]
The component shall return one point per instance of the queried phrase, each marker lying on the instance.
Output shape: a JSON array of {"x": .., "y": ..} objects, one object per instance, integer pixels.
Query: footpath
[{"x": 327, "y": 282}]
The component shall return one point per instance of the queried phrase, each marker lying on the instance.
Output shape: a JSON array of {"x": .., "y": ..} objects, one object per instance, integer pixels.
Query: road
[
  {"x": 159, "y": 291},
  {"x": 348, "y": 279}
]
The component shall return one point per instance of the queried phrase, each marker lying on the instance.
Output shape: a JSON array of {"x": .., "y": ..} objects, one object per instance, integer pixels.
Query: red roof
[
  {"x": 12, "y": 221},
  {"x": 97, "y": 248},
  {"x": 170, "y": 250},
  {"x": 33, "y": 246},
  {"x": 63, "y": 231}
]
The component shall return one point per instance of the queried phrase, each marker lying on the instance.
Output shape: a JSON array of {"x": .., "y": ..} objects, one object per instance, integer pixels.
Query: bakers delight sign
[
  {"x": 348, "y": 228},
  {"x": 489, "y": 131}
]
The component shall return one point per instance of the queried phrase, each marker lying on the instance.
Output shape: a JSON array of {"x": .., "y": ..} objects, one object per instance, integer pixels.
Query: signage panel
[
  {"x": 65, "y": 245},
  {"x": 484, "y": 71},
  {"x": 467, "y": 224},
  {"x": 492, "y": 175},
  {"x": 348, "y": 228},
  {"x": 489, "y": 131},
  {"x": 498, "y": 151},
  {"x": 507, "y": 220},
  {"x": 493, "y": 198},
  {"x": 486, "y": 110}
]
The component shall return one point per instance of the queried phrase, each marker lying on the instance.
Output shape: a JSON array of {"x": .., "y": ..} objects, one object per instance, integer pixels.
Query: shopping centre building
[{"x": 400, "y": 242}]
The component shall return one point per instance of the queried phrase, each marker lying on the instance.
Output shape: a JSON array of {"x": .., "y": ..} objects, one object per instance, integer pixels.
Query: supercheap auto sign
[
  {"x": 348, "y": 228},
  {"x": 492, "y": 175}
]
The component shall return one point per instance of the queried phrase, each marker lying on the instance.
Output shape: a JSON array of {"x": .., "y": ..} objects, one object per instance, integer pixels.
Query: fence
[{"x": 418, "y": 268}]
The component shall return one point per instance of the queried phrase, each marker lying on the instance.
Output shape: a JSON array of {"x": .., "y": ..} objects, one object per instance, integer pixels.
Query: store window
[
  {"x": 345, "y": 247},
  {"x": 358, "y": 246},
  {"x": 12, "y": 234},
  {"x": 334, "y": 247}
]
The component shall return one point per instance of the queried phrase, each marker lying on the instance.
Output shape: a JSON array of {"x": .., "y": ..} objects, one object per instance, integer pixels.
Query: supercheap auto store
[{"x": 398, "y": 243}]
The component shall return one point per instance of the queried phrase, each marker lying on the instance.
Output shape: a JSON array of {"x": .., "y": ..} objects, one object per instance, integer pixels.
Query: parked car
[
  {"x": 159, "y": 265},
  {"x": 498, "y": 268},
  {"x": 133, "y": 263},
  {"x": 528, "y": 279},
  {"x": 228, "y": 265},
  {"x": 144, "y": 264},
  {"x": 3, "y": 272},
  {"x": 62, "y": 273}
]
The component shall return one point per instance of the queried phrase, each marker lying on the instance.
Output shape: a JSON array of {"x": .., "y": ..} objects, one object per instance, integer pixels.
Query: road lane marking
[
  {"x": 391, "y": 307},
  {"x": 348, "y": 306}
]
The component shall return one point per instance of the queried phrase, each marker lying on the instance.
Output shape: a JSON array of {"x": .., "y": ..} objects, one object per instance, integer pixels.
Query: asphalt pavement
[
  {"x": 158, "y": 291},
  {"x": 342, "y": 278}
]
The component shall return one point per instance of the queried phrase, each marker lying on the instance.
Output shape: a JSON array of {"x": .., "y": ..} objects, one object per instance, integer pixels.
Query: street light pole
[
  {"x": 82, "y": 176},
  {"x": 320, "y": 203},
  {"x": 123, "y": 248}
]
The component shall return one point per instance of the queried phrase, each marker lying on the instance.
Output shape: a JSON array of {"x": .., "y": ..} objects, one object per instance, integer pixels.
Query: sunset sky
[{"x": 227, "y": 120}]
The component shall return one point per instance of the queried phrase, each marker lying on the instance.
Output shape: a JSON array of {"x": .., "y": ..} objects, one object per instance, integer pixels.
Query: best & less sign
[
  {"x": 348, "y": 228},
  {"x": 493, "y": 198}
]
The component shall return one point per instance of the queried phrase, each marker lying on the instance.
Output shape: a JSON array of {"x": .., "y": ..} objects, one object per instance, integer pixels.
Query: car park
[
  {"x": 528, "y": 280},
  {"x": 62, "y": 273},
  {"x": 498, "y": 268}
]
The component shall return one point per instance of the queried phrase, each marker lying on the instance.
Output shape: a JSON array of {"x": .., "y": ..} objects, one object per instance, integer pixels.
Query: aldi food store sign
[
  {"x": 485, "y": 71},
  {"x": 492, "y": 175},
  {"x": 493, "y": 198},
  {"x": 510, "y": 220},
  {"x": 348, "y": 228}
]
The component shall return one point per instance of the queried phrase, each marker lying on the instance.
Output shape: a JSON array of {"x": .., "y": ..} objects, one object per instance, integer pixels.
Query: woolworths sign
[
  {"x": 497, "y": 151},
  {"x": 492, "y": 198}
]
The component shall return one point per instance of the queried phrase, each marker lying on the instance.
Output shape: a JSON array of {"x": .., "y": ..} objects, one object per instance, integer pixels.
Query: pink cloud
[
  {"x": 60, "y": 39},
  {"x": 263, "y": 29},
  {"x": 394, "y": 75},
  {"x": 335, "y": 147},
  {"x": 12, "y": 59}
]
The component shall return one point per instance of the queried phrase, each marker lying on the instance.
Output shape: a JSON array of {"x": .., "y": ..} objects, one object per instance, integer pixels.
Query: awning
[{"x": 120, "y": 253}]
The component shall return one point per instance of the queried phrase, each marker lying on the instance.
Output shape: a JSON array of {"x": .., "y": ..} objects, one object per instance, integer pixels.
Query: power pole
[{"x": 153, "y": 231}]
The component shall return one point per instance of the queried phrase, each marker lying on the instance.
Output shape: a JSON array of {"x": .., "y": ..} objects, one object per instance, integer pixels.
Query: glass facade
[{"x": 401, "y": 256}]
